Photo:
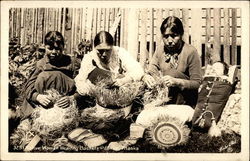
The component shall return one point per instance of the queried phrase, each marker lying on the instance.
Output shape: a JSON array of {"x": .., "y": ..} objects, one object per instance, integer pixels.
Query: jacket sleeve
[
  {"x": 29, "y": 89},
  {"x": 194, "y": 69},
  {"x": 81, "y": 80},
  {"x": 133, "y": 68},
  {"x": 154, "y": 68}
]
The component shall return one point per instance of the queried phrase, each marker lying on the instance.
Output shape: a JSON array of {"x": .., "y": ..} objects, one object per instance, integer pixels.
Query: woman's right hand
[
  {"x": 149, "y": 80},
  {"x": 43, "y": 99}
]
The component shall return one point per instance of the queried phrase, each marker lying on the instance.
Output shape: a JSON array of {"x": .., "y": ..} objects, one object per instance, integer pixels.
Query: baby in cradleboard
[{"x": 214, "y": 92}]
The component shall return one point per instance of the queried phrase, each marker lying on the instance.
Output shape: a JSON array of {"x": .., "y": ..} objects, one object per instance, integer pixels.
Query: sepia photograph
[{"x": 124, "y": 80}]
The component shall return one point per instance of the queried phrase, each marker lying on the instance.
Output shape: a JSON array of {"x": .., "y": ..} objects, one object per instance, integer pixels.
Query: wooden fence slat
[
  {"x": 122, "y": 27},
  {"x": 159, "y": 42},
  {"x": 133, "y": 32},
  {"x": 63, "y": 20},
  {"x": 60, "y": 20},
  {"x": 11, "y": 23},
  {"x": 185, "y": 21},
  {"x": 234, "y": 36},
  {"x": 196, "y": 29},
  {"x": 226, "y": 40},
  {"x": 151, "y": 34},
  {"x": 217, "y": 42},
  {"x": 208, "y": 37},
  {"x": 99, "y": 19},
  {"x": 89, "y": 23},
  {"x": 176, "y": 12},
  {"x": 107, "y": 19},
  {"x": 73, "y": 29},
  {"x": 143, "y": 40},
  {"x": 94, "y": 30},
  {"x": 166, "y": 13}
]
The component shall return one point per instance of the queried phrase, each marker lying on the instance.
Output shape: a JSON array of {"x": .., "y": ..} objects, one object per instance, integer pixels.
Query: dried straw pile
[
  {"x": 49, "y": 123},
  {"x": 111, "y": 105}
]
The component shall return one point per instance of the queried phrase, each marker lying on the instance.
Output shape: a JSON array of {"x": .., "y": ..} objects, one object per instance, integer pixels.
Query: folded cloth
[{"x": 87, "y": 137}]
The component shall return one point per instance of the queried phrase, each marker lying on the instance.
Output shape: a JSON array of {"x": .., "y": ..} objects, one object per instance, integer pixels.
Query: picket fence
[{"x": 213, "y": 31}]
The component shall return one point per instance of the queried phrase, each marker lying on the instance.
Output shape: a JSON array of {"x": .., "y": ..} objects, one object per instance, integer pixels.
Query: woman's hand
[
  {"x": 63, "y": 102},
  {"x": 43, "y": 99},
  {"x": 149, "y": 80},
  {"x": 171, "y": 81}
]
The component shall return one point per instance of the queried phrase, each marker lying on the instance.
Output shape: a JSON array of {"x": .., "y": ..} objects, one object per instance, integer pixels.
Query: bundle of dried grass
[
  {"x": 156, "y": 96},
  {"x": 53, "y": 122},
  {"x": 108, "y": 95},
  {"x": 230, "y": 121},
  {"x": 113, "y": 104},
  {"x": 22, "y": 135}
]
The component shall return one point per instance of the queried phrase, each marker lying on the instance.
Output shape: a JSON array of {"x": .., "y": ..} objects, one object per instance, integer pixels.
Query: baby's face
[{"x": 218, "y": 69}]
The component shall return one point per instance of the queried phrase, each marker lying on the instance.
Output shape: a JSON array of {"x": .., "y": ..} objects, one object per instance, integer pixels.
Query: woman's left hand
[
  {"x": 170, "y": 81},
  {"x": 63, "y": 102}
]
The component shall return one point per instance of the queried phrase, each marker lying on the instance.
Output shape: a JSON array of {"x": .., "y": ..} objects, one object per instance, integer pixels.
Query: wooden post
[
  {"x": 84, "y": 23},
  {"x": 63, "y": 21},
  {"x": 143, "y": 40},
  {"x": 89, "y": 23},
  {"x": 226, "y": 40},
  {"x": 185, "y": 21},
  {"x": 133, "y": 32},
  {"x": 94, "y": 30},
  {"x": 196, "y": 28},
  {"x": 151, "y": 33},
  {"x": 176, "y": 12},
  {"x": 99, "y": 16},
  {"x": 107, "y": 19},
  {"x": 208, "y": 53},
  {"x": 217, "y": 33},
  {"x": 73, "y": 30},
  {"x": 234, "y": 36},
  {"x": 159, "y": 42}
]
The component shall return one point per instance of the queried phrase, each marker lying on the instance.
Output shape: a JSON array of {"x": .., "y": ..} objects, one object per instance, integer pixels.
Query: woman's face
[
  {"x": 53, "y": 52},
  {"x": 171, "y": 40},
  {"x": 104, "y": 55}
]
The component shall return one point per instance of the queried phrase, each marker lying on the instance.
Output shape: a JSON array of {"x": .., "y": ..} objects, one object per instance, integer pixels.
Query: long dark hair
[
  {"x": 103, "y": 37},
  {"x": 174, "y": 23},
  {"x": 54, "y": 39}
]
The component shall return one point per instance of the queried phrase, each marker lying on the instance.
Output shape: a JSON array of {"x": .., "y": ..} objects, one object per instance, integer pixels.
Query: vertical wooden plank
[
  {"x": 159, "y": 42},
  {"x": 63, "y": 20},
  {"x": 84, "y": 23},
  {"x": 176, "y": 12},
  {"x": 196, "y": 28},
  {"x": 143, "y": 40},
  {"x": 185, "y": 21},
  {"x": 226, "y": 39},
  {"x": 151, "y": 33},
  {"x": 18, "y": 24},
  {"x": 60, "y": 20},
  {"x": 122, "y": 27},
  {"x": 217, "y": 42},
  {"x": 125, "y": 36},
  {"x": 73, "y": 30},
  {"x": 95, "y": 16},
  {"x": 11, "y": 23},
  {"x": 99, "y": 14},
  {"x": 133, "y": 32},
  {"x": 234, "y": 36},
  {"x": 89, "y": 23},
  {"x": 69, "y": 28},
  {"x": 22, "y": 25},
  {"x": 107, "y": 19},
  {"x": 208, "y": 37},
  {"x": 166, "y": 13},
  {"x": 32, "y": 24}
]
